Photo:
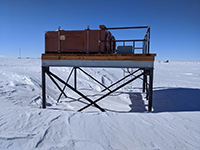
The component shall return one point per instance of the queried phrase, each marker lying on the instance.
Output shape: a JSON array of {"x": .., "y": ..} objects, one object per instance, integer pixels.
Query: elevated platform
[
  {"x": 126, "y": 58},
  {"x": 99, "y": 60}
]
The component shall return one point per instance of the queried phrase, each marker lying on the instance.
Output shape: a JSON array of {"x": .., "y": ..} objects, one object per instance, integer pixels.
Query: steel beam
[
  {"x": 115, "y": 28},
  {"x": 144, "y": 82},
  {"x": 94, "y": 102},
  {"x": 150, "y": 89},
  {"x": 94, "y": 79},
  {"x": 65, "y": 85},
  {"x": 121, "y": 79},
  {"x": 57, "y": 85},
  {"x": 137, "y": 40},
  {"x": 44, "y": 69},
  {"x": 146, "y": 86},
  {"x": 148, "y": 40},
  {"x": 99, "y": 63},
  {"x": 76, "y": 91}
]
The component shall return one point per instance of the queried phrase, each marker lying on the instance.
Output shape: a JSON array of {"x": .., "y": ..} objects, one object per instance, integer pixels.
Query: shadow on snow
[
  {"x": 164, "y": 100},
  {"x": 167, "y": 100},
  {"x": 176, "y": 99}
]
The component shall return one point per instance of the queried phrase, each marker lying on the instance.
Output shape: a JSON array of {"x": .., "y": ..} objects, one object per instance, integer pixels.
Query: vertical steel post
[
  {"x": 150, "y": 89},
  {"x": 144, "y": 81},
  {"x": 88, "y": 29},
  {"x": 133, "y": 47},
  {"x": 148, "y": 39},
  {"x": 75, "y": 77},
  {"x": 59, "y": 39},
  {"x": 99, "y": 40},
  {"x": 44, "y": 69}
]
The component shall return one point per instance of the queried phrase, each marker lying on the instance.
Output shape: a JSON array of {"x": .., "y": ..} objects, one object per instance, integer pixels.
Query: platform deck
[
  {"x": 133, "y": 57},
  {"x": 99, "y": 60}
]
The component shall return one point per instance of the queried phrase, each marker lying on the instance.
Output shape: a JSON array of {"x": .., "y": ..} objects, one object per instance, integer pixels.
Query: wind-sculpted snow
[{"x": 126, "y": 125}]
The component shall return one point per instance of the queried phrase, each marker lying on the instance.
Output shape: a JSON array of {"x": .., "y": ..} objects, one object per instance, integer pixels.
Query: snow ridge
[{"x": 174, "y": 123}]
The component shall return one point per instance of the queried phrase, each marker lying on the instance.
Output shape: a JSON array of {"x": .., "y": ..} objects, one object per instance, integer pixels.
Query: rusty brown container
[
  {"x": 78, "y": 41},
  {"x": 51, "y": 41}
]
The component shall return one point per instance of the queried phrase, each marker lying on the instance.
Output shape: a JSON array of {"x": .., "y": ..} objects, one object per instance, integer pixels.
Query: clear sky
[{"x": 175, "y": 24}]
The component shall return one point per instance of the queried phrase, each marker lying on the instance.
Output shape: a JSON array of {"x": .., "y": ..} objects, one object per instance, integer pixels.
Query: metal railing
[{"x": 146, "y": 40}]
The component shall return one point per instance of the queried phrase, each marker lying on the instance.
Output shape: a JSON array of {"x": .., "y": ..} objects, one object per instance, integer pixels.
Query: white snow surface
[{"x": 174, "y": 123}]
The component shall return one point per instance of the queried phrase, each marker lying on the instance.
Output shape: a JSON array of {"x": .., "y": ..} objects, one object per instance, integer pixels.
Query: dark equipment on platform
[{"x": 79, "y": 41}]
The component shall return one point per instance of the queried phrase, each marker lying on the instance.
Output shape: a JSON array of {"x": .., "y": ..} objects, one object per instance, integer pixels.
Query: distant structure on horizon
[
  {"x": 19, "y": 53},
  {"x": 166, "y": 61}
]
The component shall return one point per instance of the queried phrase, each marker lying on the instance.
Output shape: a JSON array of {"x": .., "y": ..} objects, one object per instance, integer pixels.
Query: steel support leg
[
  {"x": 144, "y": 82},
  {"x": 44, "y": 69},
  {"x": 150, "y": 89}
]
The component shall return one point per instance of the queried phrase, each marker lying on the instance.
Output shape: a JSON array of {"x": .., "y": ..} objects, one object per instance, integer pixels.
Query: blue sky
[{"x": 175, "y": 24}]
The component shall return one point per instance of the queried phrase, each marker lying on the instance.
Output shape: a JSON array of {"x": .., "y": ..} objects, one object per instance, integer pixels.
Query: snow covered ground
[{"x": 126, "y": 125}]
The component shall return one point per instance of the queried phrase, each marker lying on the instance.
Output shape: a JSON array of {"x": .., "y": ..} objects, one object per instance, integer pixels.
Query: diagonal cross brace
[
  {"x": 94, "y": 79},
  {"x": 143, "y": 73},
  {"x": 57, "y": 85},
  {"x": 121, "y": 79},
  {"x": 65, "y": 85},
  {"x": 69, "y": 86}
]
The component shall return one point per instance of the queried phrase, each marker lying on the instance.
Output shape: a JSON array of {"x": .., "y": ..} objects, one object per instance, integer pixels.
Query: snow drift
[{"x": 174, "y": 123}]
